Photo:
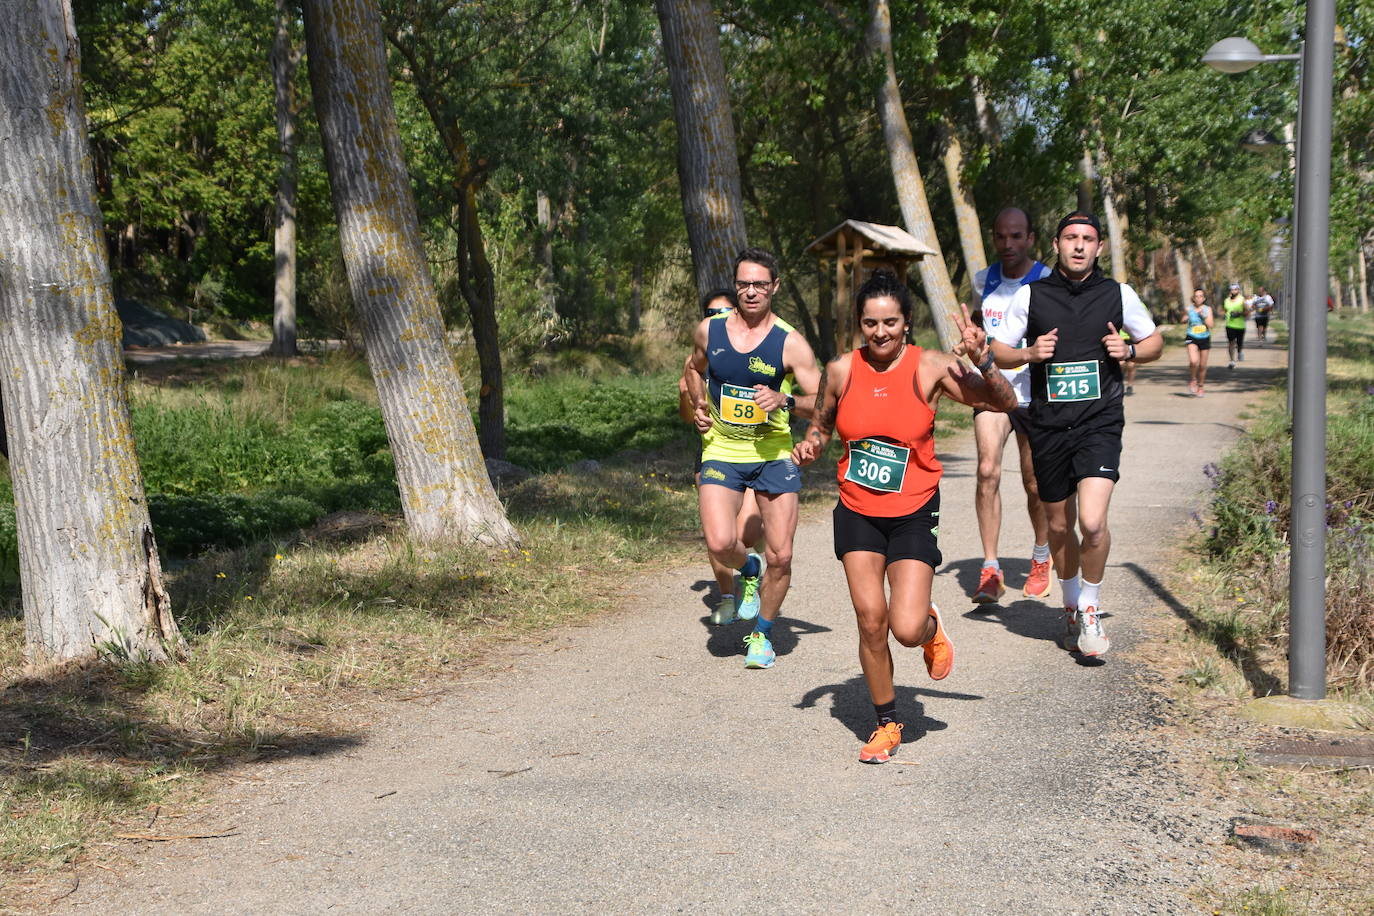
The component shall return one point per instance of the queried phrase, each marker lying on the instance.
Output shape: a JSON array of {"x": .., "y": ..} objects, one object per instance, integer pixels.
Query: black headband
[{"x": 1078, "y": 218}]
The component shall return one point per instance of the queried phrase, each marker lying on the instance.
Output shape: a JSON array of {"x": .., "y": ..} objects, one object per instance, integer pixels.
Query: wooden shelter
[{"x": 858, "y": 248}]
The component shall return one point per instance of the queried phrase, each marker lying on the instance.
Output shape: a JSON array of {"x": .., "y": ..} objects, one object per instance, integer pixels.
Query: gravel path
[{"x": 634, "y": 765}]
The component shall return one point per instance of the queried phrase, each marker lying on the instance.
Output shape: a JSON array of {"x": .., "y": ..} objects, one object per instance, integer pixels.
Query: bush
[{"x": 1250, "y": 537}]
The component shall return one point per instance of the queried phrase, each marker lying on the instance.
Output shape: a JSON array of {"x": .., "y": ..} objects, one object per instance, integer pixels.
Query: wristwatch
[{"x": 789, "y": 403}]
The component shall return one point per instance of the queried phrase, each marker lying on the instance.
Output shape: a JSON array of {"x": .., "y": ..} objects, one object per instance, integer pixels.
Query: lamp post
[{"x": 1307, "y": 346}]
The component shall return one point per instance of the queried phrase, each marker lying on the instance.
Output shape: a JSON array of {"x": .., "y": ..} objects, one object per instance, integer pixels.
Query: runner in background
[
  {"x": 1199, "y": 323},
  {"x": 1261, "y": 306},
  {"x": 749, "y": 522},
  {"x": 1236, "y": 311},
  {"x": 737, "y": 380},
  {"x": 994, "y": 287}
]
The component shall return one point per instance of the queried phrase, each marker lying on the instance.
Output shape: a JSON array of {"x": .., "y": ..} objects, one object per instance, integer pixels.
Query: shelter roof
[{"x": 882, "y": 239}]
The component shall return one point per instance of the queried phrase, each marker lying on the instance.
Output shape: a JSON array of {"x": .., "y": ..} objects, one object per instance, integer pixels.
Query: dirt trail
[{"x": 634, "y": 765}]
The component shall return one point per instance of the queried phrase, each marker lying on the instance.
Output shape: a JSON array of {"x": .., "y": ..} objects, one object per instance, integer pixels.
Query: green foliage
[{"x": 555, "y": 422}]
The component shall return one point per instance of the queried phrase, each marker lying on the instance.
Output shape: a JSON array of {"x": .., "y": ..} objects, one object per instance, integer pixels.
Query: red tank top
[{"x": 888, "y": 467}]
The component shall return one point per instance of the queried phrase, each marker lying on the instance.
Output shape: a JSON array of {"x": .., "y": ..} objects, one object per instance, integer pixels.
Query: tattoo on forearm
[
  {"x": 1001, "y": 391},
  {"x": 820, "y": 394}
]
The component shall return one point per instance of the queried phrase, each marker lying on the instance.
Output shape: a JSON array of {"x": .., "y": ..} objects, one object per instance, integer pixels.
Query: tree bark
[
  {"x": 88, "y": 562},
  {"x": 285, "y": 58},
  {"x": 1085, "y": 181},
  {"x": 445, "y": 490},
  {"x": 548, "y": 293},
  {"x": 906, "y": 173},
  {"x": 708, "y": 167},
  {"x": 1116, "y": 220},
  {"x": 476, "y": 278},
  {"x": 636, "y": 295},
  {"x": 965, "y": 210},
  {"x": 1185, "y": 278},
  {"x": 988, "y": 123},
  {"x": 1363, "y": 264}
]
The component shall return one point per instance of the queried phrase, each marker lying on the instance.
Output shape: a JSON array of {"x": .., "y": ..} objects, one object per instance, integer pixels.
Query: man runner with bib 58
[
  {"x": 881, "y": 400},
  {"x": 742, "y": 362},
  {"x": 1073, "y": 318}
]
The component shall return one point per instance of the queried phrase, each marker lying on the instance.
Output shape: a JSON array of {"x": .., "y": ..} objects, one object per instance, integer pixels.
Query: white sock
[
  {"x": 1070, "y": 589},
  {"x": 1087, "y": 596},
  {"x": 1040, "y": 553},
  {"x": 992, "y": 564}
]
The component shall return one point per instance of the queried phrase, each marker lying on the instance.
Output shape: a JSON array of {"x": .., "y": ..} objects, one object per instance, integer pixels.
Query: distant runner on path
[
  {"x": 1260, "y": 307},
  {"x": 749, "y": 522},
  {"x": 740, "y": 365},
  {"x": 1198, "y": 339},
  {"x": 881, "y": 400},
  {"x": 994, "y": 287},
  {"x": 1073, "y": 318},
  {"x": 1235, "y": 310}
]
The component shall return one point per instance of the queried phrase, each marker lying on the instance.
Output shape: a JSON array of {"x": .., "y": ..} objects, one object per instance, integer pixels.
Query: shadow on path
[
  {"x": 852, "y": 706},
  {"x": 728, "y": 641},
  {"x": 1218, "y": 634}
]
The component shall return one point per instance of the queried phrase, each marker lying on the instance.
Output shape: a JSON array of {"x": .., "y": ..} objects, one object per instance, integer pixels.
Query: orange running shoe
[
  {"x": 882, "y": 744},
  {"x": 939, "y": 651},
  {"x": 1038, "y": 582},
  {"x": 990, "y": 586}
]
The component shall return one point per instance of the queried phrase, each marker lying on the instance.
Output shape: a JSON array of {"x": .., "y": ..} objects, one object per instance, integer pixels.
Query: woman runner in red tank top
[{"x": 881, "y": 400}]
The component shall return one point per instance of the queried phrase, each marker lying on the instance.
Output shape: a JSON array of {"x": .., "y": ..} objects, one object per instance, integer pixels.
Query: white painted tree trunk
[
  {"x": 906, "y": 173},
  {"x": 89, "y": 567},
  {"x": 1185, "y": 278},
  {"x": 965, "y": 209},
  {"x": 285, "y": 58},
  {"x": 445, "y": 490},
  {"x": 708, "y": 164},
  {"x": 1363, "y": 264},
  {"x": 1116, "y": 220}
]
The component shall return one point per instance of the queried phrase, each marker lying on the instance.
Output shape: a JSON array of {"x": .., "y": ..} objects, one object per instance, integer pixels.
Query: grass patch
[{"x": 292, "y": 641}]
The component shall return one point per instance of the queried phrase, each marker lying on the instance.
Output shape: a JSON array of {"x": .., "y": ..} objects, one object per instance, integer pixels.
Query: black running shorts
[
  {"x": 903, "y": 537},
  {"x": 1063, "y": 457},
  {"x": 1202, "y": 343},
  {"x": 1236, "y": 334}
]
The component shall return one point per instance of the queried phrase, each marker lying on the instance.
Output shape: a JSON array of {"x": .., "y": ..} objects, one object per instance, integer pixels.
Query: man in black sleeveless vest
[{"x": 1073, "y": 319}]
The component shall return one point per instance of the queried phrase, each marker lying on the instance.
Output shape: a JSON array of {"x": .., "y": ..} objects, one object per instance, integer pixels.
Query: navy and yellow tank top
[{"x": 741, "y": 432}]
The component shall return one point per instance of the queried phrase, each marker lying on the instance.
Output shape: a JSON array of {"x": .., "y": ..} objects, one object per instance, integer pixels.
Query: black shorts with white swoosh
[{"x": 1063, "y": 457}]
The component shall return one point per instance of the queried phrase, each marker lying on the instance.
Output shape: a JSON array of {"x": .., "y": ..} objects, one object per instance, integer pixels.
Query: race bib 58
[{"x": 737, "y": 406}]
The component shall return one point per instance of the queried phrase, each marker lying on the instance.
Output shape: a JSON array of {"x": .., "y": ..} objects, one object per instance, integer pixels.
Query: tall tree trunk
[
  {"x": 548, "y": 292},
  {"x": 708, "y": 167},
  {"x": 476, "y": 278},
  {"x": 1085, "y": 181},
  {"x": 906, "y": 173},
  {"x": 636, "y": 295},
  {"x": 1185, "y": 278},
  {"x": 285, "y": 59},
  {"x": 965, "y": 210},
  {"x": 988, "y": 124},
  {"x": 1335, "y": 283},
  {"x": 1116, "y": 220},
  {"x": 88, "y": 563},
  {"x": 1363, "y": 264},
  {"x": 445, "y": 491}
]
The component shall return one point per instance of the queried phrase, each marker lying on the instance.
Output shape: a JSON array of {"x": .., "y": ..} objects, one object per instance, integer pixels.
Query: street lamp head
[
  {"x": 1233, "y": 55},
  {"x": 1260, "y": 141}
]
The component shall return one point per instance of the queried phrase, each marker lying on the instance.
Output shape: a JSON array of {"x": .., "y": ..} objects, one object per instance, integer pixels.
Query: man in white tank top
[{"x": 993, "y": 289}]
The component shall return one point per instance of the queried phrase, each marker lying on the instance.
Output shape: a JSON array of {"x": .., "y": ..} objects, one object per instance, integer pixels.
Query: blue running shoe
[
  {"x": 760, "y": 653},
  {"x": 748, "y": 605}
]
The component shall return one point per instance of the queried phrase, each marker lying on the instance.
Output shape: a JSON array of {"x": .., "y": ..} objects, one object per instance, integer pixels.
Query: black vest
[{"x": 1081, "y": 311}]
